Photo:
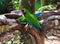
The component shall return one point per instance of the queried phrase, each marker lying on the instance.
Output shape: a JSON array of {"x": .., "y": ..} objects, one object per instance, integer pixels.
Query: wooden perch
[{"x": 12, "y": 16}]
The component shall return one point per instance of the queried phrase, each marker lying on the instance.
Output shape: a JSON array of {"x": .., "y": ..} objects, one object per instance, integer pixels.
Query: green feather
[
  {"x": 22, "y": 18},
  {"x": 31, "y": 19}
]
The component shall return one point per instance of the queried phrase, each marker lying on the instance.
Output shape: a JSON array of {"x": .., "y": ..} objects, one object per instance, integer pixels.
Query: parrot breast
[{"x": 32, "y": 20}]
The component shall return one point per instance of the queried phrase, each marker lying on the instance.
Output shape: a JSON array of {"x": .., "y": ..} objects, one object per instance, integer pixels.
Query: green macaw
[{"x": 30, "y": 19}]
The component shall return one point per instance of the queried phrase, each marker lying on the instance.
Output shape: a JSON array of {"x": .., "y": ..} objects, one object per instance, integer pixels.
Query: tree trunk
[
  {"x": 29, "y": 4},
  {"x": 42, "y": 4},
  {"x": 39, "y": 39}
]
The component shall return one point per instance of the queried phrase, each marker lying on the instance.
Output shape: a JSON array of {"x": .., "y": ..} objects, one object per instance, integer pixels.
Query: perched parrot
[{"x": 31, "y": 19}]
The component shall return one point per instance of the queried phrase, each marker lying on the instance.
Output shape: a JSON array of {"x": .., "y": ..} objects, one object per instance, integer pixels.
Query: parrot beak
[{"x": 17, "y": 21}]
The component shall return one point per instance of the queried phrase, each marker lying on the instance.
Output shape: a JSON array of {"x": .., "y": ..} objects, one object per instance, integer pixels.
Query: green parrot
[{"x": 30, "y": 19}]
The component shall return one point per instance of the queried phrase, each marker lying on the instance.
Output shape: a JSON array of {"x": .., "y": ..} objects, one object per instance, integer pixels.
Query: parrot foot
[
  {"x": 41, "y": 21},
  {"x": 26, "y": 26}
]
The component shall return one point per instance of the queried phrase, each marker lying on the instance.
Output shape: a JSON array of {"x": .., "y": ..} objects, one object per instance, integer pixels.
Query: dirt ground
[{"x": 53, "y": 39}]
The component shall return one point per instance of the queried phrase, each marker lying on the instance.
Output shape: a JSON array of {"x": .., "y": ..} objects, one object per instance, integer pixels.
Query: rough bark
[
  {"x": 30, "y": 30},
  {"x": 42, "y": 4},
  {"x": 29, "y": 4}
]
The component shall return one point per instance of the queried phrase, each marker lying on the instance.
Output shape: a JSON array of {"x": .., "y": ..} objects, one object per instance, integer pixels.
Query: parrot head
[{"x": 24, "y": 10}]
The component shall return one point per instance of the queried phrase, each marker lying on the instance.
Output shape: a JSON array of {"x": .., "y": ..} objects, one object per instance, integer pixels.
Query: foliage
[
  {"x": 37, "y": 5},
  {"x": 19, "y": 37},
  {"x": 3, "y": 4},
  {"x": 47, "y": 2},
  {"x": 15, "y": 4},
  {"x": 47, "y": 7}
]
